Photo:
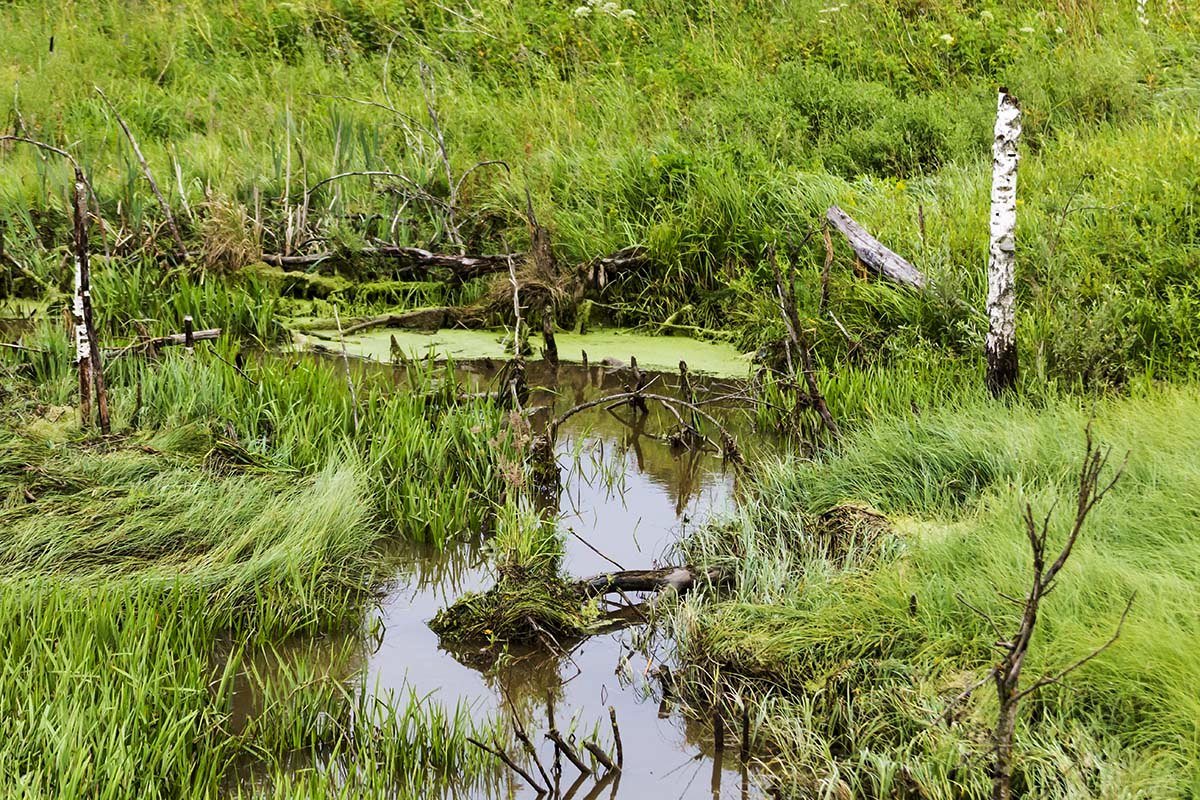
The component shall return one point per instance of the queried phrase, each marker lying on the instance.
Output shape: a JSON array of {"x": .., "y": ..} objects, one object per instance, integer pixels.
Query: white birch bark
[
  {"x": 83, "y": 347},
  {"x": 1001, "y": 345}
]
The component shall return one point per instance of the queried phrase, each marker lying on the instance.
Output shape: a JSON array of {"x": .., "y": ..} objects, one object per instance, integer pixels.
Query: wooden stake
[
  {"x": 189, "y": 334},
  {"x": 1001, "y": 345}
]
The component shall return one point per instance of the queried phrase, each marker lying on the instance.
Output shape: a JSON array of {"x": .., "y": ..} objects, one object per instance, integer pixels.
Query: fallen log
[
  {"x": 419, "y": 319},
  {"x": 464, "y": 267},
  {"x": 873, "y": 254},
  {"x": 153, "y": 343},
  {"x": 677, "y": 579}
]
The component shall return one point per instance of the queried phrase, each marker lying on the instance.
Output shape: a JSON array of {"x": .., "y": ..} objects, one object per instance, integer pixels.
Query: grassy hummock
[{"x": 850, "y": 663}]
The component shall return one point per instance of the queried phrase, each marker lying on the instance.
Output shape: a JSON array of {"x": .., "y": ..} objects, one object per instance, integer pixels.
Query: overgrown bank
[
  {"x": 160, "y": 583},
  {"x": 700, "y": 136},
  {"x": 853, "y": 663}
]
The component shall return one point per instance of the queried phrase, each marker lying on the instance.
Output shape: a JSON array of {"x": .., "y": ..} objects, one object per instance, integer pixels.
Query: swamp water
[{"x": 627, "y": 497}]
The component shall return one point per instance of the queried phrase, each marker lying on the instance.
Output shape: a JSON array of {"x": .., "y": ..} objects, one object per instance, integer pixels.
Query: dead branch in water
[
  {"x": 500, "y": 754},
  {"x": 728, "y": 445},
  {"x": 564, "y": 747},
  {"x": 601, "y": 756}
]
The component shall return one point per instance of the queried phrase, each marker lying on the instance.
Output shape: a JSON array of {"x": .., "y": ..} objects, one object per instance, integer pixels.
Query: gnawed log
[
  {"x": 154, "y": 343},
  {"x": 873, "y": 254},
  {"x": 677, "y": 579}
]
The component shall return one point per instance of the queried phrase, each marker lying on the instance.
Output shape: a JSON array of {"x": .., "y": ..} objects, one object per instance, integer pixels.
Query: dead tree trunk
[
  {"x": 1001, "y": 345},
  {"x": 87, "y": 346}
]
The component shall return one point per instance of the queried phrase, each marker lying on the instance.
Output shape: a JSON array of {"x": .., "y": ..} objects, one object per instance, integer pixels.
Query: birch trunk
[
  {"x": 83, "y": 350},
  {"x": 87, "y": 344},
  {"x": 1001, "y": 345}
]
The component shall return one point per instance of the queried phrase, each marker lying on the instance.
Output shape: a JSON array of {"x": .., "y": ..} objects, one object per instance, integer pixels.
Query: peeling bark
[{"x": 1001, "y": 344}]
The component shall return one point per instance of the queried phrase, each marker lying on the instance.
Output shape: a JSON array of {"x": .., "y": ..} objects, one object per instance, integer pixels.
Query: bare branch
[
  {"x": 1046, "y": 680},
  {"x": 137, "y": 151}
]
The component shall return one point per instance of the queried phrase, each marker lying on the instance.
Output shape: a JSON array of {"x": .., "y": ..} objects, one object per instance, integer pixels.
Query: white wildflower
[
  {"x": 947, "y": 38},
  {"x": 582, "y": 11},
  {"x": 627, "y": 13}
]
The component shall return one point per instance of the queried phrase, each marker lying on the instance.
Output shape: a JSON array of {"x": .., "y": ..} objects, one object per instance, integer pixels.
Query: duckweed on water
[{"x": 603, "y": 346}]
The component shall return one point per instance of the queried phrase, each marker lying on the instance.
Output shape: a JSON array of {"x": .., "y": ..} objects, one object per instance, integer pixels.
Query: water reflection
[{"x": 627, "y": 496}]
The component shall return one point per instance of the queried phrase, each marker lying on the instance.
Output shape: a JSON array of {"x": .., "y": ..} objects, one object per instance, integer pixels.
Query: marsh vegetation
[{"x": 465, "y": 399}]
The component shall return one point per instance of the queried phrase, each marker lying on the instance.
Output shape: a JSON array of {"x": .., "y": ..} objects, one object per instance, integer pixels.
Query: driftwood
[
  {"x": 873, "y": 254},
  {"x": 677, "y": 579}
]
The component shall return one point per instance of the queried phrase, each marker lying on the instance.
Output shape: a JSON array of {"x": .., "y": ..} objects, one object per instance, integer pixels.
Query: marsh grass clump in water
[{"x": 532, "y": 601}]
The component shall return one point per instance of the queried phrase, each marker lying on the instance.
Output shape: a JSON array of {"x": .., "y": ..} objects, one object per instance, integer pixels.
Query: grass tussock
[{"x": 532, "y": 601}]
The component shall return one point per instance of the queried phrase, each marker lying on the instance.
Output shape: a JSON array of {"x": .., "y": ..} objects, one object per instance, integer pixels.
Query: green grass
[
  {"x": 184, "y": 600},
  {"x": 294, "y": 414},
  {"x": 860, "y": 669},
  {"x": 704, "y": 133},
  {"x": 248, "y": 501}
]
